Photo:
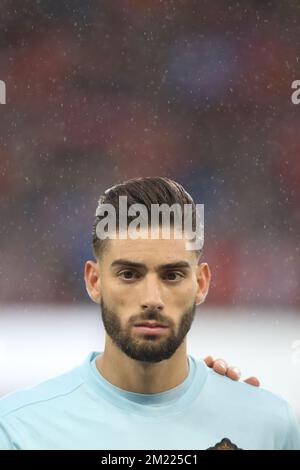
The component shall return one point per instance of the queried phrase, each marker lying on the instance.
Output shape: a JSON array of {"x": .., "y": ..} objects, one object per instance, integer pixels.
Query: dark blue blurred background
[{"x": 102, "y": 91}]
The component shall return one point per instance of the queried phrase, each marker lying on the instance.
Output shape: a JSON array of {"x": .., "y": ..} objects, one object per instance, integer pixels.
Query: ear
[
  {"x": 92, "y": 280},
  {"x": 203, "y": 280}
]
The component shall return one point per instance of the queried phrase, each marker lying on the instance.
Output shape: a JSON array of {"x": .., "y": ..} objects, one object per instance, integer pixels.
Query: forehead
[{"x": 150, "y": 251}]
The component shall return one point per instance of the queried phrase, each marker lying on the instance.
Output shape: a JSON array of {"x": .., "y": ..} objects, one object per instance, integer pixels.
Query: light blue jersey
[{"x": 82, "y": 410}]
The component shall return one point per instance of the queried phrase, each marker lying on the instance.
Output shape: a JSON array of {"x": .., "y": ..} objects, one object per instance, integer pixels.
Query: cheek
[
  {"x": 183, "y": 297},
  {"x": 118, "y": 297}
]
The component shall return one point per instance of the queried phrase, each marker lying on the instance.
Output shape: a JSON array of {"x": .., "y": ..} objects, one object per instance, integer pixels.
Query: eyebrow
[{"x": 133, "y": 264}]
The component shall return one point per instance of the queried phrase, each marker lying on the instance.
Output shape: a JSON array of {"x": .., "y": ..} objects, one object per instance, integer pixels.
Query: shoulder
[
  {"x": 238, "y": 395},
  {"x": 45, "y": 391}
]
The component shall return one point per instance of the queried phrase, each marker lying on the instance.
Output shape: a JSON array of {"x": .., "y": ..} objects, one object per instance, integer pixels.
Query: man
[{"x": 144, "y": 391}]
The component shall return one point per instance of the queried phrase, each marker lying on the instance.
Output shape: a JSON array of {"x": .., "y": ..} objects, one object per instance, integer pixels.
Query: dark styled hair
[{"x": 147, "y": 191}]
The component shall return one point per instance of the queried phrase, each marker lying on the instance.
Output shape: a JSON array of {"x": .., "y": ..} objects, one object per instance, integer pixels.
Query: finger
[
  {"x": 233, "y": 373},
  {"x": 209, "y": 361},
  {"x": 220, "y": 366},
  {"x": 253, "y": 381}
]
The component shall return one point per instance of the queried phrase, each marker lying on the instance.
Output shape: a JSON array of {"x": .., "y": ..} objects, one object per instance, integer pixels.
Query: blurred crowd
[{"x": 99, "y": 92}]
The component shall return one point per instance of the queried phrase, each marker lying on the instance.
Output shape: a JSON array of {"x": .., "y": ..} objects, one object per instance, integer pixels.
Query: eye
[
  {"x": 128, "y": 275},
  {"x": 173, "y": 276}
]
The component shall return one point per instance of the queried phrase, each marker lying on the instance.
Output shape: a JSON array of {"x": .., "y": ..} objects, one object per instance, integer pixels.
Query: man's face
[{"x": 149, "y": 280}]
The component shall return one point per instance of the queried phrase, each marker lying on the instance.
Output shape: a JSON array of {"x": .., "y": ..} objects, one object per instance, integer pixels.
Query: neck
[{"x": 142, "y": 377}]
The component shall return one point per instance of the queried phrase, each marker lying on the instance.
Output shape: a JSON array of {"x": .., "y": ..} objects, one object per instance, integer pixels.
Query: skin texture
[{"x": 148, "y": 290}]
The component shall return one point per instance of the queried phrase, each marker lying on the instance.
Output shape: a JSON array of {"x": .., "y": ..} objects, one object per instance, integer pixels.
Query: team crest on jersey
[{"x": 224, "y": 444}]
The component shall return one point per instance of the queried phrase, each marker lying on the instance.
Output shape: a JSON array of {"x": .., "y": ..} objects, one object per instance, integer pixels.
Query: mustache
[{"x": 151, "y": 314}]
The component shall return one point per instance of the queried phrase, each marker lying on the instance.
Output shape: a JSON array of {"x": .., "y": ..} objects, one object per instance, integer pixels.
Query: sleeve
[
  {"x": 292, "y": 438},
  {"x": 5, "y": 441}
]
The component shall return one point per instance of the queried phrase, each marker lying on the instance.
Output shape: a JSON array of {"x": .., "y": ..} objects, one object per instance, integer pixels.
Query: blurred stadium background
[{"x": 99, "y": 92}]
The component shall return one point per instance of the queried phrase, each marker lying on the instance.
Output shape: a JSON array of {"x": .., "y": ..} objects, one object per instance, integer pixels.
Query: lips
[
  {"x": 151, "y": 329},
  {"x": 152, "y": 325}
]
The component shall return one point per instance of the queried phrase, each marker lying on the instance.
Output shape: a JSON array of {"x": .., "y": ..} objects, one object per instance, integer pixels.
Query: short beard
[{"x": 147, "y": 348}]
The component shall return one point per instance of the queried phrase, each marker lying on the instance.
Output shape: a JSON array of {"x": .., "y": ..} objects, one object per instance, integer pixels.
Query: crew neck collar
[{"x": 167, "y": 402}]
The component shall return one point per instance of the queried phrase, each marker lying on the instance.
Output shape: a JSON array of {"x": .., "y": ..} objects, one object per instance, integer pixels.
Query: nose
[{"x": 151, "y": 294}]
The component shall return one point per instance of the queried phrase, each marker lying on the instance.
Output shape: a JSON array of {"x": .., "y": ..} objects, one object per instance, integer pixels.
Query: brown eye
[
  {"x": 173, "y": 276},
  {"x": 128, "y": 275}
]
